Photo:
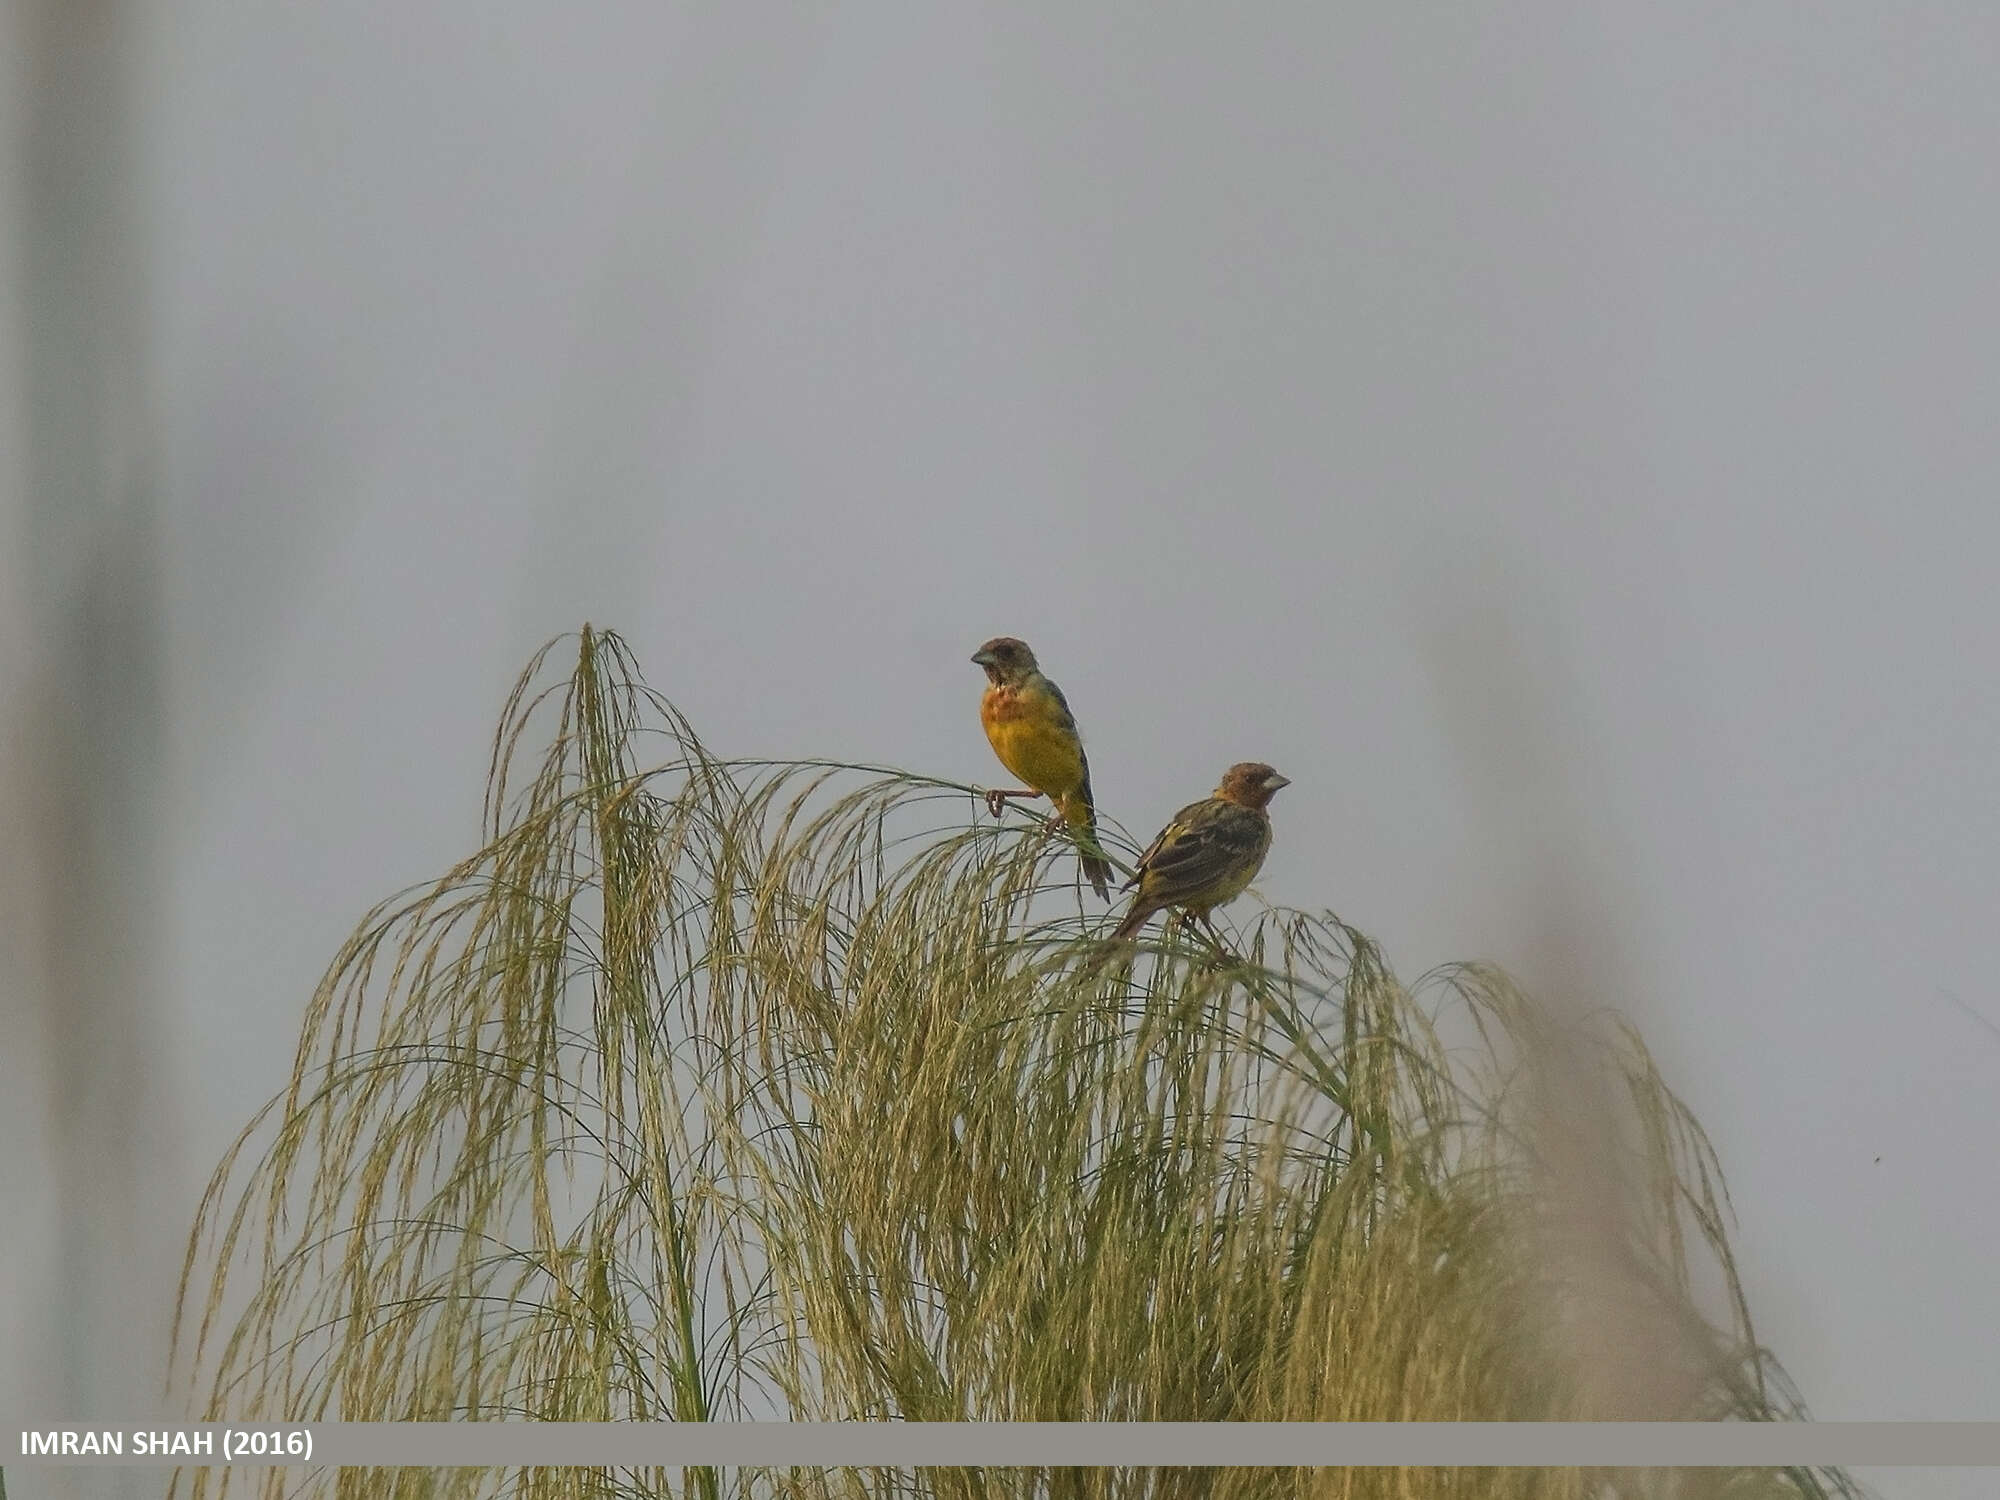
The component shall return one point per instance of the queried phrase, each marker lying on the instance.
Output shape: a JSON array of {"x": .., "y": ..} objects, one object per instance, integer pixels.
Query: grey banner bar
[{"x": 1005, "y": 1444}]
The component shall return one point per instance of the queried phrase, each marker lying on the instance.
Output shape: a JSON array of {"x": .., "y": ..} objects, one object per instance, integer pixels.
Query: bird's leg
[
  {"x": 1214, "y": 934},
  {"x": 996, "y": 797}
]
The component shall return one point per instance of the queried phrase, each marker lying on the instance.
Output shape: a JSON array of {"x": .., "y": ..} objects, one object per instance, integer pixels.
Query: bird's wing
[
  {"x": 1205, "y": 843},
  {"x": 1159, "y": 842},
  {"x": 1061, "y": 703},
  {"x": 1068, "y": 720}
]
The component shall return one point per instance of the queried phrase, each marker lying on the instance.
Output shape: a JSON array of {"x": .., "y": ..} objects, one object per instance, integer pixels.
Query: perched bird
[
  {"x": 1031, "y": 729},
  {"x": 1209, "y": 852}
]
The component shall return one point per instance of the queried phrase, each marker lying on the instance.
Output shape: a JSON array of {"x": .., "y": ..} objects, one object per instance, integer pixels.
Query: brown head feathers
[
  {"x": 1005, "y": 658},
  {"x": 1251, "y": 784}
]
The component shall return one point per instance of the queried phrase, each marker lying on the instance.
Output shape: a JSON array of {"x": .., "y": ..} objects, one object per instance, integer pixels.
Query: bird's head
[
  {"x": 1005, "y": 659},
  {"x": 1251, "y": 784}
]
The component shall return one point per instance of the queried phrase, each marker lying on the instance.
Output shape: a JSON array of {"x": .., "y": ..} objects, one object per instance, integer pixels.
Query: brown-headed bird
[
  {"x": 1209, "y": 852},
  {"x": 1030, "y": 727}
]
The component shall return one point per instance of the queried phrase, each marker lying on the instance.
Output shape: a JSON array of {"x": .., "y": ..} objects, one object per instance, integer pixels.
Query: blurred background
[{"x": 1564, "y": 446}]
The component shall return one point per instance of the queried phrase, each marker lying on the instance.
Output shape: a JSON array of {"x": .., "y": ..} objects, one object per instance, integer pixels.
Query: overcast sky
[{"x": 1562, "y": 441}]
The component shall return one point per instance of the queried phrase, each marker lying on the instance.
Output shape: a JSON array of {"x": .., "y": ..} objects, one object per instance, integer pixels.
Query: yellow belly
[
  {"x": 1220, "y": 892},
  {"x": 1045, "y": 755}
]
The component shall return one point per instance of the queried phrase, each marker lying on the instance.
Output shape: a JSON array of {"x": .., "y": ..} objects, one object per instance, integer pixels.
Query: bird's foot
[
  {"x": 997, "y": 797},
  {"x": 1220, "y": 956}
]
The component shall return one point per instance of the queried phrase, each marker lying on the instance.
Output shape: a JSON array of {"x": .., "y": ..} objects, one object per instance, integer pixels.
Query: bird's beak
[
  {"x": 985, "y": 659},
  {"x": 1275, "y": 782}
]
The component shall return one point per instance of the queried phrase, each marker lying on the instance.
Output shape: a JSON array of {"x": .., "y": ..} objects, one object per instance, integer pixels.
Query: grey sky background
[{"x": 1561, "y": 440}]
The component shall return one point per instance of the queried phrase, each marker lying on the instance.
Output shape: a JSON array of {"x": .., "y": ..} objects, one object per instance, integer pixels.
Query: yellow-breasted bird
[
  {"x": 1030, "y": 727},
  {"x": 1209, "y": 852}
]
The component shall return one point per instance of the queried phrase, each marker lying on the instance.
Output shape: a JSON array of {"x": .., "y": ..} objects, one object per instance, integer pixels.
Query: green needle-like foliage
[{"x": 729, "y": 1090}]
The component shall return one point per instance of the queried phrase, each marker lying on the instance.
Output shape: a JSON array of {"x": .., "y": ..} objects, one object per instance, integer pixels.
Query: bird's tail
[
  {"x": 1098, "y": 872},
  {"x": 1082, "y": 819},
  {"x": 1134, "y": 920},
  {"x": 1118, "y": 945}
]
